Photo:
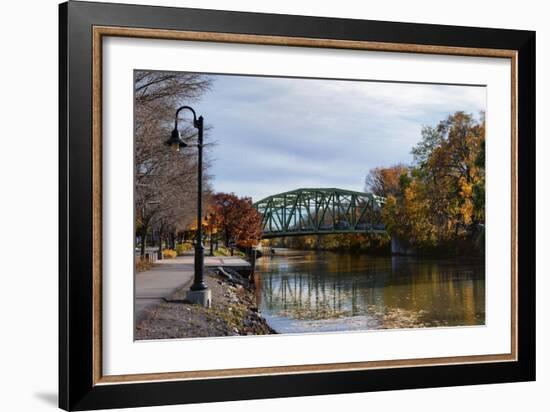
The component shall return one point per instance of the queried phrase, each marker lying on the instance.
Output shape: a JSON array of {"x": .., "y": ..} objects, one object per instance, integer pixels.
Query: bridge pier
[{"x": 401, "y": 247}]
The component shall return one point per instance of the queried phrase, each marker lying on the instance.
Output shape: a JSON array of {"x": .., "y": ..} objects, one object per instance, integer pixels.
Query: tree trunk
[
  {"x": 159, "y": 255},
  {"x": 143, "y": 240}
]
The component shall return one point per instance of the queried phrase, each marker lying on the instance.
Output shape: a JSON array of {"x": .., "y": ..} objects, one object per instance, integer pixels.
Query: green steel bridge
[{"x": 320, "y": 211}]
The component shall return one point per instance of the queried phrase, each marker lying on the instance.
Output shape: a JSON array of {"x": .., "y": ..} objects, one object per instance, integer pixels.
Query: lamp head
[{"x": 175, "y": 140}]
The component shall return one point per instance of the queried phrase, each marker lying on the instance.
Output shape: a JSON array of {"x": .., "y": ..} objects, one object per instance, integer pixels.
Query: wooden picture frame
[{"x": 82, "y": 385}]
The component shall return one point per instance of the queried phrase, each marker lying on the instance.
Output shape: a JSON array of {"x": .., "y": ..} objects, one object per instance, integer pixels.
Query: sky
[{"x": 278, "y": 134}]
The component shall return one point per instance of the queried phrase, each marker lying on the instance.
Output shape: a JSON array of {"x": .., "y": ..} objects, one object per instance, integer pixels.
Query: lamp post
[{"x": 199, "y": 292}]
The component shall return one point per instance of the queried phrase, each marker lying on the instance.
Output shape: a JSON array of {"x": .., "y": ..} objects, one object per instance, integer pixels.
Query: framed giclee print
[{"x": 259, "y": 205}]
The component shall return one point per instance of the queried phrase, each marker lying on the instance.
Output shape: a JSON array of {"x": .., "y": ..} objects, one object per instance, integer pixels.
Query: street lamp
[{"x": 199, "y": 292}]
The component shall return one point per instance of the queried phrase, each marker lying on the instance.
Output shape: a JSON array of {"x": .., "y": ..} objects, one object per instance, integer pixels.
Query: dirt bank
[{"x": 234, "y": 312}]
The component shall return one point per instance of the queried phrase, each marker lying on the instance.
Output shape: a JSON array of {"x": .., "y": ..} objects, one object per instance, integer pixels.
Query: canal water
[{"x": 316, "y": 291}]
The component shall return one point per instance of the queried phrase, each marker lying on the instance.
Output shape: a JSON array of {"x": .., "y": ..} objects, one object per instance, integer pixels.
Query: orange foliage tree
[
  {"x": 237, "y": 219},
  {"x": 440, "y": 200}
]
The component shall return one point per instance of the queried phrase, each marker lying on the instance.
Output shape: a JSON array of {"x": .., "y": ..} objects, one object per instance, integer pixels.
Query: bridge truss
[{"x": 320, "y": 211}]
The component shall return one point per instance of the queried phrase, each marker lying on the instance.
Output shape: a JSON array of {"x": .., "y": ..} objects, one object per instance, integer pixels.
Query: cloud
[{"x": 278, "y": 134}]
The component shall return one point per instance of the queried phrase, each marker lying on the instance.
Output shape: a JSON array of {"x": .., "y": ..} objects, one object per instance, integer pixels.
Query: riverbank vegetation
[
  {"x": 437, "y": 204},
  {"x": 344, "y": 242}
]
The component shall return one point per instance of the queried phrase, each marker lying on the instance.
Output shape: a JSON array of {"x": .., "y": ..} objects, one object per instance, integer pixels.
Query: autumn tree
[
  {"x": 453, "y": 169},
  {"x": 384, "y": 181},
  {"x": 440, "y": 201},
  {"x": 237, "y": 219}
]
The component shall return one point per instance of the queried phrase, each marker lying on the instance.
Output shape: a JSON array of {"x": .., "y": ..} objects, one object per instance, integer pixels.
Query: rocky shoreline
[{"x": 234, "y": 312}]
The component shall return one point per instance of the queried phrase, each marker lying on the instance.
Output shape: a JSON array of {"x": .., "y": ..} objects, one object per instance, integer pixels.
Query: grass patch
[{"x": 224, "y": 251}]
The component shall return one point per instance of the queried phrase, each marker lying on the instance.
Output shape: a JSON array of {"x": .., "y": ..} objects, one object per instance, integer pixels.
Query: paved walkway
[
  {"x": 168, "y": 275},
  {"x": 209, "y": 261}
]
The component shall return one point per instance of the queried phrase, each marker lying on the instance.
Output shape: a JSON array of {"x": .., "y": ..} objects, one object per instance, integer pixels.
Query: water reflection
[{"x": 323, "y": 291}]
